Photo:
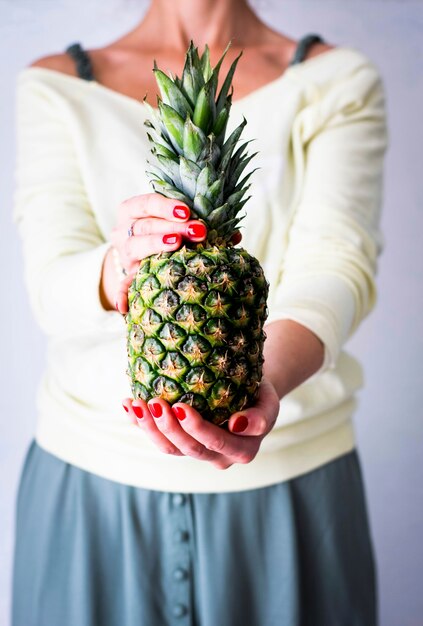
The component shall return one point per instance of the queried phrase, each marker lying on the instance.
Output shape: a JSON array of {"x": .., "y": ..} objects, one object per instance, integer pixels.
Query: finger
[
  {"x": 236, "y": 237},
  {"x": 139, "y": 410},
  {"x": 214, "y": 437},
  {"x": 121, "y": 297},
  {"x": 170, "y": 426},
  {"x": 154, "y": 205},
  {"x": 138, "y": 248},
  {"x": 259, "y": 419},
  {"x": 127, "y": 407},
  {"x": 193, "y": 229}
]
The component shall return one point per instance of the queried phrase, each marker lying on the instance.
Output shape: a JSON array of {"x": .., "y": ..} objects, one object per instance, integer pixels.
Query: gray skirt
[{"x": 93, "y": 552}]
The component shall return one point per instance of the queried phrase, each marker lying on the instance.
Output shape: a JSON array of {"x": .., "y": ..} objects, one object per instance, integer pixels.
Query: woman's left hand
[{"x": 180, "y": 430}]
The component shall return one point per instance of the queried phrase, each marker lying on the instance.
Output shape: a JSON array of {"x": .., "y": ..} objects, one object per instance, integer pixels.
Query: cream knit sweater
[{"x": 312, "y": 221}]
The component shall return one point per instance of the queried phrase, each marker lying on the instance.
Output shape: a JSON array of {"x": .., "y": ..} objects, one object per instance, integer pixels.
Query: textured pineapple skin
[{"x": 195, "y": 329}]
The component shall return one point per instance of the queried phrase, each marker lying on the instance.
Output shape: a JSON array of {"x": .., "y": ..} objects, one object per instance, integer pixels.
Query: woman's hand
[
  {"x": 146, "y": 224},
  {"x": 180, "y": 430}
]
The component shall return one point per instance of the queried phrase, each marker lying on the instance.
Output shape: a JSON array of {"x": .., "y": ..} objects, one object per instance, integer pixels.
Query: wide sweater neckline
[{"x": 291, "y": 70}]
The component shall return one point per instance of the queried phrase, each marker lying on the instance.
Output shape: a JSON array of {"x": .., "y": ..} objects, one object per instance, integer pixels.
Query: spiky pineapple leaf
[
  {"x": 155, "y": 120},
  {"x": 158, "y": 139},
  {"x": 170, "y": 167},
  {"x": 226, "y": 85},
  {"x": 160, "y": 149},
  {"x": 215, "y": 192},
  {"x": 174, "y": 125},
  {"x": 202, "y": 206},
  {"x": 193, "y": 140},
  {"x": 172, "y": 95},
  {"x": 244, "y": 180},
  {"x": 216, "y": 68},
  {"x": 218, "y": 215},
  {"x": 231, "y": 141},
  {"x": 170, "y": 192},
  {"x": 196, "y": 164},
  {"x": 205, "y": 179},
  {"x": 205, "y": 63},
  {"x": 192, "y": 76},
  {"x": 210, "y": 152},
  {"x": 235, "y": 172},
  {"x": 236, "y": 196},
  {"x": 159, "y": 174},
  {"x": 221, "y": 121},
  {"x": 189, "y": 172},
  {"x": 205, "y": 109}
]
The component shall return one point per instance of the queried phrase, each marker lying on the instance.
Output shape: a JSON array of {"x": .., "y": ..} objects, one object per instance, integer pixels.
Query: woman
[{"x": 132, "y": 521}]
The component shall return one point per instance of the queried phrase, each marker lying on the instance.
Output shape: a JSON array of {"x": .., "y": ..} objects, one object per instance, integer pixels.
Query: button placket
[{"x": 179, "y": 564}]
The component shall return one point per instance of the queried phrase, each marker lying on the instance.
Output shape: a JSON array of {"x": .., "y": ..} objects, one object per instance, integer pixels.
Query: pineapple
[{"x": 196, "y": 315}]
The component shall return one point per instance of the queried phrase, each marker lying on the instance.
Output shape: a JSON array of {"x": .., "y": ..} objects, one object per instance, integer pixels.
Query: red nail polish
[
  {"x": 126, "y": 408},
  {"x": 138, "y": 411},
  {"x": 197, "y": 230},
  {"x": 236, "y": 237},
  {"x": 240, "y": 424},
  {"x": 181, "y": 211},
  {"x": 155, "y": 409},
  {"x": 179, "y": 412},
  {"x": 170, "y": 239}
]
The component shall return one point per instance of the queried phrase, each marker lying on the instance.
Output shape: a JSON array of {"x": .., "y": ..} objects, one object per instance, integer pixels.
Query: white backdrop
[{"x": 390, "y": 341}]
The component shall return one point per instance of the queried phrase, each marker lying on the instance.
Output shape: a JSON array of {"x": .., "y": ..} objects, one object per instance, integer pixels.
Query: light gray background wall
[{"x": 389, "y": 342}]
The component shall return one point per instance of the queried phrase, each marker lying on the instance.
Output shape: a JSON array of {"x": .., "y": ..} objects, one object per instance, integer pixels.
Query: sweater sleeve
[
  {"x": 327, "y": 279},
  {"x": 63, "y": 248}
]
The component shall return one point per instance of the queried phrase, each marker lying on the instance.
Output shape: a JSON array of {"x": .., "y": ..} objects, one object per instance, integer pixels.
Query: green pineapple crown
[{"x": 194, "y": 162}]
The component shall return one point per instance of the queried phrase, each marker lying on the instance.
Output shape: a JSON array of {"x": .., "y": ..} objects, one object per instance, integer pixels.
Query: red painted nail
[
  {"x": 155, "y": 409},
  {"x": 179, "y": 412},
  {"x": 236, "y": 237},
  {"x": 197, "y": 230},
  {"x": 240, "y": 424},
  {"x": 126, "y": 408},
  {"x": 170, "y": 239},
  {"x": 181, "y": 211},
  {"x": 138, "y": 411}
]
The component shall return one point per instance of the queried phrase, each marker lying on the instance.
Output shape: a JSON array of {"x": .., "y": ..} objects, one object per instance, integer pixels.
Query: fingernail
[
  {"x": 197, "y": 230},
  {"x": 179, "y": 412},
  {"x": 155, "y": 409},
  {"x": 236, "y": 237},
  {"x": 181, "y": 211},
  {"x": 240, "y": 424},
  {"x": 126, "y": 408},
  {"x": 170, "y": 239},
  {"x": 138, "y": 411}
]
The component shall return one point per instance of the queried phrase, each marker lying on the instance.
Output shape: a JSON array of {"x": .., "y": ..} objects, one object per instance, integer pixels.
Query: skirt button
[
  {"x": 180, "y": 574},
  {"x": 181, "y": 535},
  {"x": 178, "y": 499},
  {"x": 179, "y": 610}
]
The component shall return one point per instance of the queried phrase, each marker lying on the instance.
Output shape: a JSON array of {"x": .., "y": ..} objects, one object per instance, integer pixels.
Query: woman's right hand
[{"x": 158, "y": 224}]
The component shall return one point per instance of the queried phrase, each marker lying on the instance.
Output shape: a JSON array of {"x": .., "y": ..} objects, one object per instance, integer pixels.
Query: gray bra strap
[
  {"x": 82, "y": 61},
  {"x": 303, "y": 47}
]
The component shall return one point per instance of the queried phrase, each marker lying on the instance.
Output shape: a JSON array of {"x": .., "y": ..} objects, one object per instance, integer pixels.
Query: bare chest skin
[{"x": 130, "y": 72}]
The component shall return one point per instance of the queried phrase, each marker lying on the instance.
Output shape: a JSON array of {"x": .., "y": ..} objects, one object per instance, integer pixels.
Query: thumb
[{"x": 259, "y": 419}]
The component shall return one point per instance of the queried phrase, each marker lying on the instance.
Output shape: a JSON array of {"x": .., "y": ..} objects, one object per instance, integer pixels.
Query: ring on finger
[{"x": 131, "y": 230}]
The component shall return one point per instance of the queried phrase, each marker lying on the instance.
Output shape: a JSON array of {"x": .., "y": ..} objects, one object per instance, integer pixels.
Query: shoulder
[
  {"x": 318, "y": 48},
  {"x": 42, "y": 91},
  {"x": 335, "y": 61},
  {"x": 59, "y": 62}
]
